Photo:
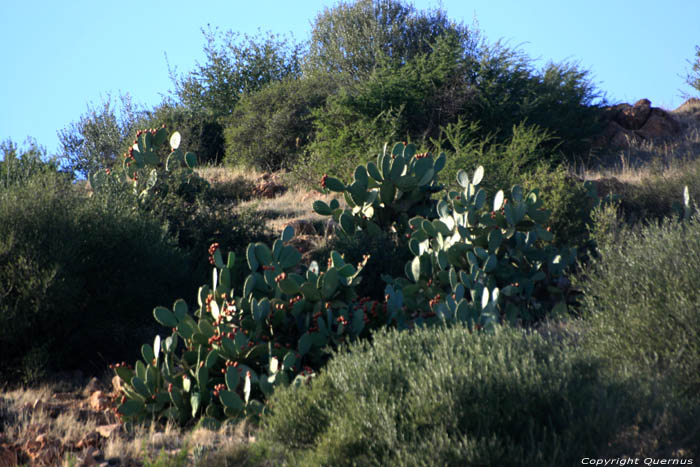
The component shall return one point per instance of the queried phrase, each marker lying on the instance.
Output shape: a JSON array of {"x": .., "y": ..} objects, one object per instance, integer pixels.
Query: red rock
[{"x": 659, "y": 125}]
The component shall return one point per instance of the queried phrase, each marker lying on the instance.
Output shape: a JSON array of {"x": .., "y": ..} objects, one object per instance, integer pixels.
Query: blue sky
[{"x": 59, "y": 56}]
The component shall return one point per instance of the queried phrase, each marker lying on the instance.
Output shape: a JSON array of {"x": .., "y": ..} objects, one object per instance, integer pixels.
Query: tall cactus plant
[
  {"x": 143, "y": 168},
  {"x": 224, "y": 359}
]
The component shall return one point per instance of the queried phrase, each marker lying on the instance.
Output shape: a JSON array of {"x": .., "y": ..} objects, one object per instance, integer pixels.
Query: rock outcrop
[{"x": 629, "y": 124}]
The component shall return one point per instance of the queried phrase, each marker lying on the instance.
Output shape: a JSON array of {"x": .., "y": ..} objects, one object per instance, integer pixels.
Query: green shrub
[
  {"x": 18, "y": 165},
  {"x": 269, "y": 129},
  {"x": 448, "y": 397},
  {"x": 236, "y": 64},
  {"x": 493, "y": 90},
  {"x": 77, "y": 277},
  {"x": 642, "y": 302},
  {"x": 507, "y": 161},
  {"x": 568, "y": 201},
  {"x": 344, "y": 139},
  {"x": 100, "y": 136}
]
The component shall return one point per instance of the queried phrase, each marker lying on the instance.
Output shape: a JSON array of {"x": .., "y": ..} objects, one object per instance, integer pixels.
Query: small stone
[
  {"x": 107, "y": 431},
  {"x": 92, "y": 386},
  {"x": 89, "y": 440},
  {"x": 99, "y": 401}
]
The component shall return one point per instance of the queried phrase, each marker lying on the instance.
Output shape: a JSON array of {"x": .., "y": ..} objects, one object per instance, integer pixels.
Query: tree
[
  {"x": 19, "y": 164},
  {"x": 271, "y": 128},
  {"x": 100, "y": 136},
  {"x": 693, "y": 77},
  {"x": 236, "y": 64},
  {"x": 353, "y": 39}
]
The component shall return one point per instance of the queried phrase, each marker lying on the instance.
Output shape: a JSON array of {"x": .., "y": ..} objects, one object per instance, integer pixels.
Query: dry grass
[
  {"x": 69, "y": 436},
  {"x": 295, "y": 204},
  {"x": 645, "y": 159}
]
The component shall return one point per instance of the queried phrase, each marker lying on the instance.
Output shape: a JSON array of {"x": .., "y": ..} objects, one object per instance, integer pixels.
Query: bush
[
  {"x": 642, "y": 300},
  {"x": 448, "y": 397},
  {"x": 507, "y": 162},
  {"x": 353, "y": 39},
  {"x": 18, "y": 165},
  {"x": 78, "y": 278},
  {"x": 98, "y": 139},
  {"x": 568, "y": 201},
  {"x": 493, "y": 92},
  {"x": 236, "y": 64},
  {"x": 269, "y": 129}
]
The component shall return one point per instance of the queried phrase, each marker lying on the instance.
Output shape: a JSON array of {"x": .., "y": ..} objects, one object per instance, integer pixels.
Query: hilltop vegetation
[{"x": 495, "y": 288}]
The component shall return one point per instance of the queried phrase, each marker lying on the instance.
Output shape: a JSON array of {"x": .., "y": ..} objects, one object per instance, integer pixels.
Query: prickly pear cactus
[
  {"x": 224, "y": 359},
  {"x": 484, "y": 261},
  {"x": 383, "y": 196},
  {"x": 143, "y": 168}
]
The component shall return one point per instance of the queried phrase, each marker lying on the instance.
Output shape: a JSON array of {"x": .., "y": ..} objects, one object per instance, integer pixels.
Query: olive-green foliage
[
  {"x": 507, "y": 162},
  {"x": 19, "y": 164},
  {"x": 270, "y": 129},
  {"x": 354, "y": 38},
  {"x": 493, "y": 89},
  {"x": 235, "y": 65},
  {"x": 77, "y": 278},
  {"x": 643, "y": 302},
  {"x": 559, "y": 98},
  {"x": 346, "y": 141},
  {"x": 448, "y": 397},
  {"x": 693, "y": 77},
  {"x": 407, "y": 102},
  {"x": 568, "y": 201},
  {"x": 100, "y": 136}
]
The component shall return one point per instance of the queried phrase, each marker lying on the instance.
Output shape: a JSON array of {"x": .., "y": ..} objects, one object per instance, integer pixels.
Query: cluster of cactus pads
[
  {"x": 142, "y": 165},
  {"x": 485, "y": 262},
  {"x": 223, "y": 360},
  {"x": 479, "y": 261},
  {"x": 385, "y": 195}
]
